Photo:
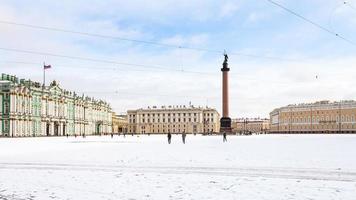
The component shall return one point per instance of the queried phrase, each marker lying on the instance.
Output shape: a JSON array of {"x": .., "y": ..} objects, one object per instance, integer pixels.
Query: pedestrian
[
  {"x": 169, "y": 136},
  {"x": 224, "y": 137},
  {"x": 183, "y": 137},
  {"x": 67, "y": 135},
  {"x": 75, "y": 135},
  {"x": 112, "y": 135}
]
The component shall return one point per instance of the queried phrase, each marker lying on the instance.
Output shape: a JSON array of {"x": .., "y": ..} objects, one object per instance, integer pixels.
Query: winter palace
[{"x": 29, "y": 109}]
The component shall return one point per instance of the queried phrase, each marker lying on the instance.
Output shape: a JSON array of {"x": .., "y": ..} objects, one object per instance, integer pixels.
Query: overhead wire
[
  {"x": 100, "y": 60},
  {"x": 312, "y": 22},
  {"x": 145, "y": 41},
  {"x": 349, "y": 5}
]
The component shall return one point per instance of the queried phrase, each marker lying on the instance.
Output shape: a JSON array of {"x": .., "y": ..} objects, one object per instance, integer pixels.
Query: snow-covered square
[{"x": 147, "y": 167}]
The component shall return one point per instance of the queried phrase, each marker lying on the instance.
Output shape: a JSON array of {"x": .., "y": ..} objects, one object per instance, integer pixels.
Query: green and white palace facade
[{"x": 28, "y": 109}]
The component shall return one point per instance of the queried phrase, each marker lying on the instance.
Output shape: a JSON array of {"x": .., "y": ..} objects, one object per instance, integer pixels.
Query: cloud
[
  {"x": 257, "y": 85},
  {"x": 228, "y": 9}
]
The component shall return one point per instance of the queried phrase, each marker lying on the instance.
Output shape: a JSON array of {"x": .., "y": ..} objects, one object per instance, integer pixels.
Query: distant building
[
  {"x": 29, "y": 109},
  {"x": 119, "y": 123},
  {"x": 250, "y": 125},
  {"x": 318, "y": 117},
  {"x": 173, "y": 119}
]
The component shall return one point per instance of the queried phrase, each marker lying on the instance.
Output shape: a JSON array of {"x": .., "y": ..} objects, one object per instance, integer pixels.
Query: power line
[
  {"x": 46, "y": 28},
  {"x": 312, "y": 22},
  {"x": 349, "y": 5},
  {"x": 115, "y": 68},
  {"x": 145, "y": 94},
  {"x": 108, "y": 37},
  {"x": 98, "y": 60}
]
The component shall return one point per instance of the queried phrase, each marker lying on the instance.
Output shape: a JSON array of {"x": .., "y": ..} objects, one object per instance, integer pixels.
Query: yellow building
[
  {"x": 173, "y": 119},
  {"x": 250, "y": 125},
  {"x": 119, "y": 124},
  {"x": 318, "y": 117}
]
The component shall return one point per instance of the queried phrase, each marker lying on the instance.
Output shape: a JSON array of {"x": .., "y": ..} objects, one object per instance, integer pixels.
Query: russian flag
[{"x": 46, "y": 66}]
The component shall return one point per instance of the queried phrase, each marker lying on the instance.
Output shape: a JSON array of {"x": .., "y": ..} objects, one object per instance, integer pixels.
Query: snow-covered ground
[{"x": 147, "y": 167}]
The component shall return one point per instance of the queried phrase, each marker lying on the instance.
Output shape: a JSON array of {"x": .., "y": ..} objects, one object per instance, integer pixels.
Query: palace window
[
  {"x": 6, "y": 123},
  {"x": 6, "y": 109}
]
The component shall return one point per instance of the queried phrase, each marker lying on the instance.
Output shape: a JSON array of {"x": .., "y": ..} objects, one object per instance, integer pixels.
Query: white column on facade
[
  {"x": 11, "y": 128},
  {"x": 19, "y": 127},
  {"x": 13, "y": 103},
  {"x": 24, "y": 128}
]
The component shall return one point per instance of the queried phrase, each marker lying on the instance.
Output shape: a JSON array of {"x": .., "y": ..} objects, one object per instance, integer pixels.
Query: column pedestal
[{"x": 225, "y": 125}]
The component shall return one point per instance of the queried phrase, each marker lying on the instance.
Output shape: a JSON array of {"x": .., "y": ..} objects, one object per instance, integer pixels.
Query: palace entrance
[{"x": 56, "y": 128}]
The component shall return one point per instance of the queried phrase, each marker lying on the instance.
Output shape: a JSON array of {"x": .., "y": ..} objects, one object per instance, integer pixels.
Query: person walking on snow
[
  {"x": 169, "y": 136},
  {"x": 183, "y": 137},
  {"x": 224, "y": 137}
]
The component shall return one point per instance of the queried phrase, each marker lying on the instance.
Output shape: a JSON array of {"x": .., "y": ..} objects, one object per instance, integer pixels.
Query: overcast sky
[{"x": 308, "y": 63}]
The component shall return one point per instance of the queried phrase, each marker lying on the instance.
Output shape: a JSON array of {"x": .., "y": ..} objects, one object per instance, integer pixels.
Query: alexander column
[{"x": 225, "y": 121}]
